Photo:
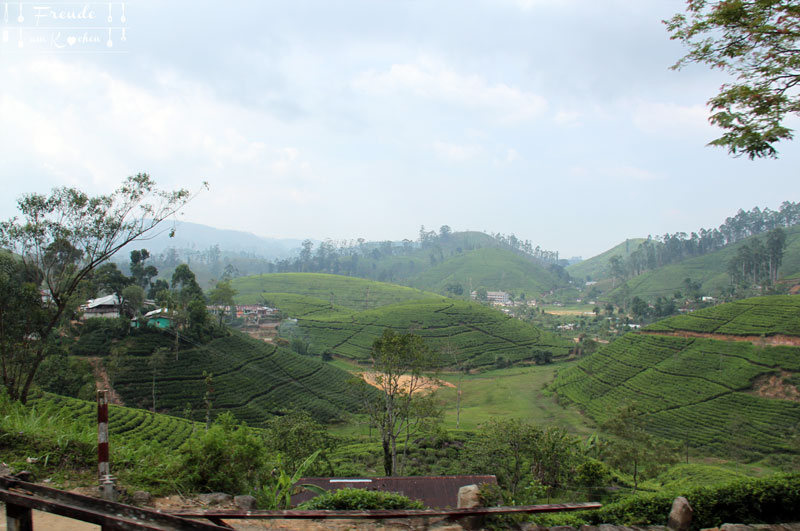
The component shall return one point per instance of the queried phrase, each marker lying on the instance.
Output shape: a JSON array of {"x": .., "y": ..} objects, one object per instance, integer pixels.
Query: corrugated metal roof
[{"x": 433, "y": 491}]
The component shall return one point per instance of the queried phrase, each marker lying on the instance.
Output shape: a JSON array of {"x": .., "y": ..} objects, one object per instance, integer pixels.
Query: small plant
[{"x": 361, "y": 500}]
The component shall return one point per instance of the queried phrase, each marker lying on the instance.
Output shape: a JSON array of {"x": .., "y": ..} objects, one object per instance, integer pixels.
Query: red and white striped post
[{"x": 103, "y": 467}]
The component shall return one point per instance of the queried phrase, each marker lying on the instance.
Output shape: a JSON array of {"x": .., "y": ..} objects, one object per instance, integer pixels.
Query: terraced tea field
[
  {"x": 700, "y": 389},
  {"x": 481, "y": 335},
  {"x": 252, "y": 379},
  {"x": 124, "y": 423},
  {"x": 758, "y": 316},
  {"x": 332, "y": 290}
]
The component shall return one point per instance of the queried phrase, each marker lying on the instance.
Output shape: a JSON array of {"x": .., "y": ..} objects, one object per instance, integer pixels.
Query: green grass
[{"x": 517, "y": 392}]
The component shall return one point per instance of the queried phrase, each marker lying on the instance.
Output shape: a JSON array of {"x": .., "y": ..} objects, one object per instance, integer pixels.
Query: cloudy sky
[{"x": 556, "y": 120}]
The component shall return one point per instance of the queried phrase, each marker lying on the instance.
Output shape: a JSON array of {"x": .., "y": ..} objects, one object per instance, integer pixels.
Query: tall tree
[
  {"x": 65, "y": 236},
  {"x": 403, "y": 405},
  {"x": 756, "y": 42}
]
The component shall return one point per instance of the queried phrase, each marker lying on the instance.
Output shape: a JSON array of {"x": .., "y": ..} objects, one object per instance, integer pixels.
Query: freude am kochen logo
[{"x": 79, "y": 27}]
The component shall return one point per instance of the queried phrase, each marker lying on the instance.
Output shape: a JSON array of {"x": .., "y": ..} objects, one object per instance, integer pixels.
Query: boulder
[
  {"x": 142, "y": 497},
  {"x": 680, "y": 517},
  {"x": 469, "y": 496},
  {"x": 215, "y": 498},
  {"x": 245, "y": 503}
]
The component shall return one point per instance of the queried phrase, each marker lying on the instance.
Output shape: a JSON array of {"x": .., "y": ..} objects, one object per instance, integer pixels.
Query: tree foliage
[
  {"x": 756, "y": 42},
  {"x": 403, "y": 406},
  {"x": 65, "y": 236}
]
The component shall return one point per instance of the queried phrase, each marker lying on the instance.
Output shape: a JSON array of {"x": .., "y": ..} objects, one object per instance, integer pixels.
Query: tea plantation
[
  {"x": 700, "y": 390},
  {"x": 252, "y": 379},
  {"x": 777, "y": 314},
  {"x": 335, "y": 290},
  {"x": 482, "y": 336},
  {"x": 124, "y": 423}
]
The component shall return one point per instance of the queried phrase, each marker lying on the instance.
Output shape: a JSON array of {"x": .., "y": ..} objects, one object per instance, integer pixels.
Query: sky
[{"x": 556, "y": 120}]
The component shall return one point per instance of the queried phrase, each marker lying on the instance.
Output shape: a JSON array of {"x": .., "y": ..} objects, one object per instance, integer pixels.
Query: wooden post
[
  {"x": 103, "y": 468},
  {"x": 18, "y": 518}
]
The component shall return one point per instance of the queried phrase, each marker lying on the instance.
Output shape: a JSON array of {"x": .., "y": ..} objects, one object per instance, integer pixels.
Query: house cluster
[
  {"x": 494, "y": 297},
  {"x": 111, "y": 306}
]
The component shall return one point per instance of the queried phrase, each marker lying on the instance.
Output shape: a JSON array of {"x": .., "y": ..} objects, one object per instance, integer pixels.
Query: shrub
[
  {"x": 228, "y": 457},
  {"x": 361, "y": 500}
]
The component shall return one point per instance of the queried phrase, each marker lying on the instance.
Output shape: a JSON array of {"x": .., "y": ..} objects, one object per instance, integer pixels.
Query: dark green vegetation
[
  {"x": 696, "y": 391},
  {"x": 758, "y": 316},
  {"x": 749, "y": 501},
  {"x": 360, "y": 500},
  {"x": 251, "y": 379}
]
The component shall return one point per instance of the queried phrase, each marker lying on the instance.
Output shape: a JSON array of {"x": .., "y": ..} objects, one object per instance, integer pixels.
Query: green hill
[
  {"x": 346, "y": 292},
  {"x": 732, "y": 398},
  {"x": 492, "y": 268},
  {"x": 252, "y": 379},
  {"x": 482, "y": 335},
  {"x": 597, "y": 267},
  {"x": 710, "y": 270}
]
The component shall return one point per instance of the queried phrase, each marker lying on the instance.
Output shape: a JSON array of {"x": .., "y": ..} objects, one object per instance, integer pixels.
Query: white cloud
[
  {"x": 567, "y": 118},
  {"x": 109, "y": 127},
  {"x": 671, "y": 119},
  {"x": 430, "y": 80},
  {"x": 456, "y": 152}
]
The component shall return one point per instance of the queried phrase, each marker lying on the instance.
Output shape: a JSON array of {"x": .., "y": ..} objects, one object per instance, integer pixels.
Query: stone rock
[
  {"x": 680, "y": 517},
  {"x": 586, "y": 527},
  {"x": 142, "y": 497},
  {"x": 612, "y": 527},
  {"x": 215, "y": 498},
  {"x": 469, "y": 496},
  {"x": 245, "y": 503},
  {"x": 735, "y": 527},
  {"x": 562, "y": 528}
]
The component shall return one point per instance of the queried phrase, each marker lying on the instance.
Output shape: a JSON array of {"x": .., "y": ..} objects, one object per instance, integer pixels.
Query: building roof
[{"x": 108, "y": 300}]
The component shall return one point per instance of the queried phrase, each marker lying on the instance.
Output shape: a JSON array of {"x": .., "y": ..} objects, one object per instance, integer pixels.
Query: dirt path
[
  {"x": 776, "y": 340},
  {"x": 51, "y": 521},
  {"x": 428, "y": 384},
  {"x": 102, "y": 379}
]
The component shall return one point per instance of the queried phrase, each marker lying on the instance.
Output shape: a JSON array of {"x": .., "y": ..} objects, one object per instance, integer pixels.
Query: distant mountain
[{"x": 197, "y": 237}]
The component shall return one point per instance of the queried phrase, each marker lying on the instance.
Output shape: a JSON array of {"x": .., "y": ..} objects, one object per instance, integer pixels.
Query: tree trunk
[{"x": 387, "y": 457}]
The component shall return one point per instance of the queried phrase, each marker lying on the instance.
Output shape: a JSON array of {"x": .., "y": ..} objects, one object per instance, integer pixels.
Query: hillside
[
  {"x": 736, "y": 398},
  {"x": 482, "y": 335},
  {"x": 710, "y": 270},
  {"x": 492, "y": 268},
  {"x": 597, "y": 267},
  {"x": 346, "y": 292},
  {"x": 252, "y": 379}
]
